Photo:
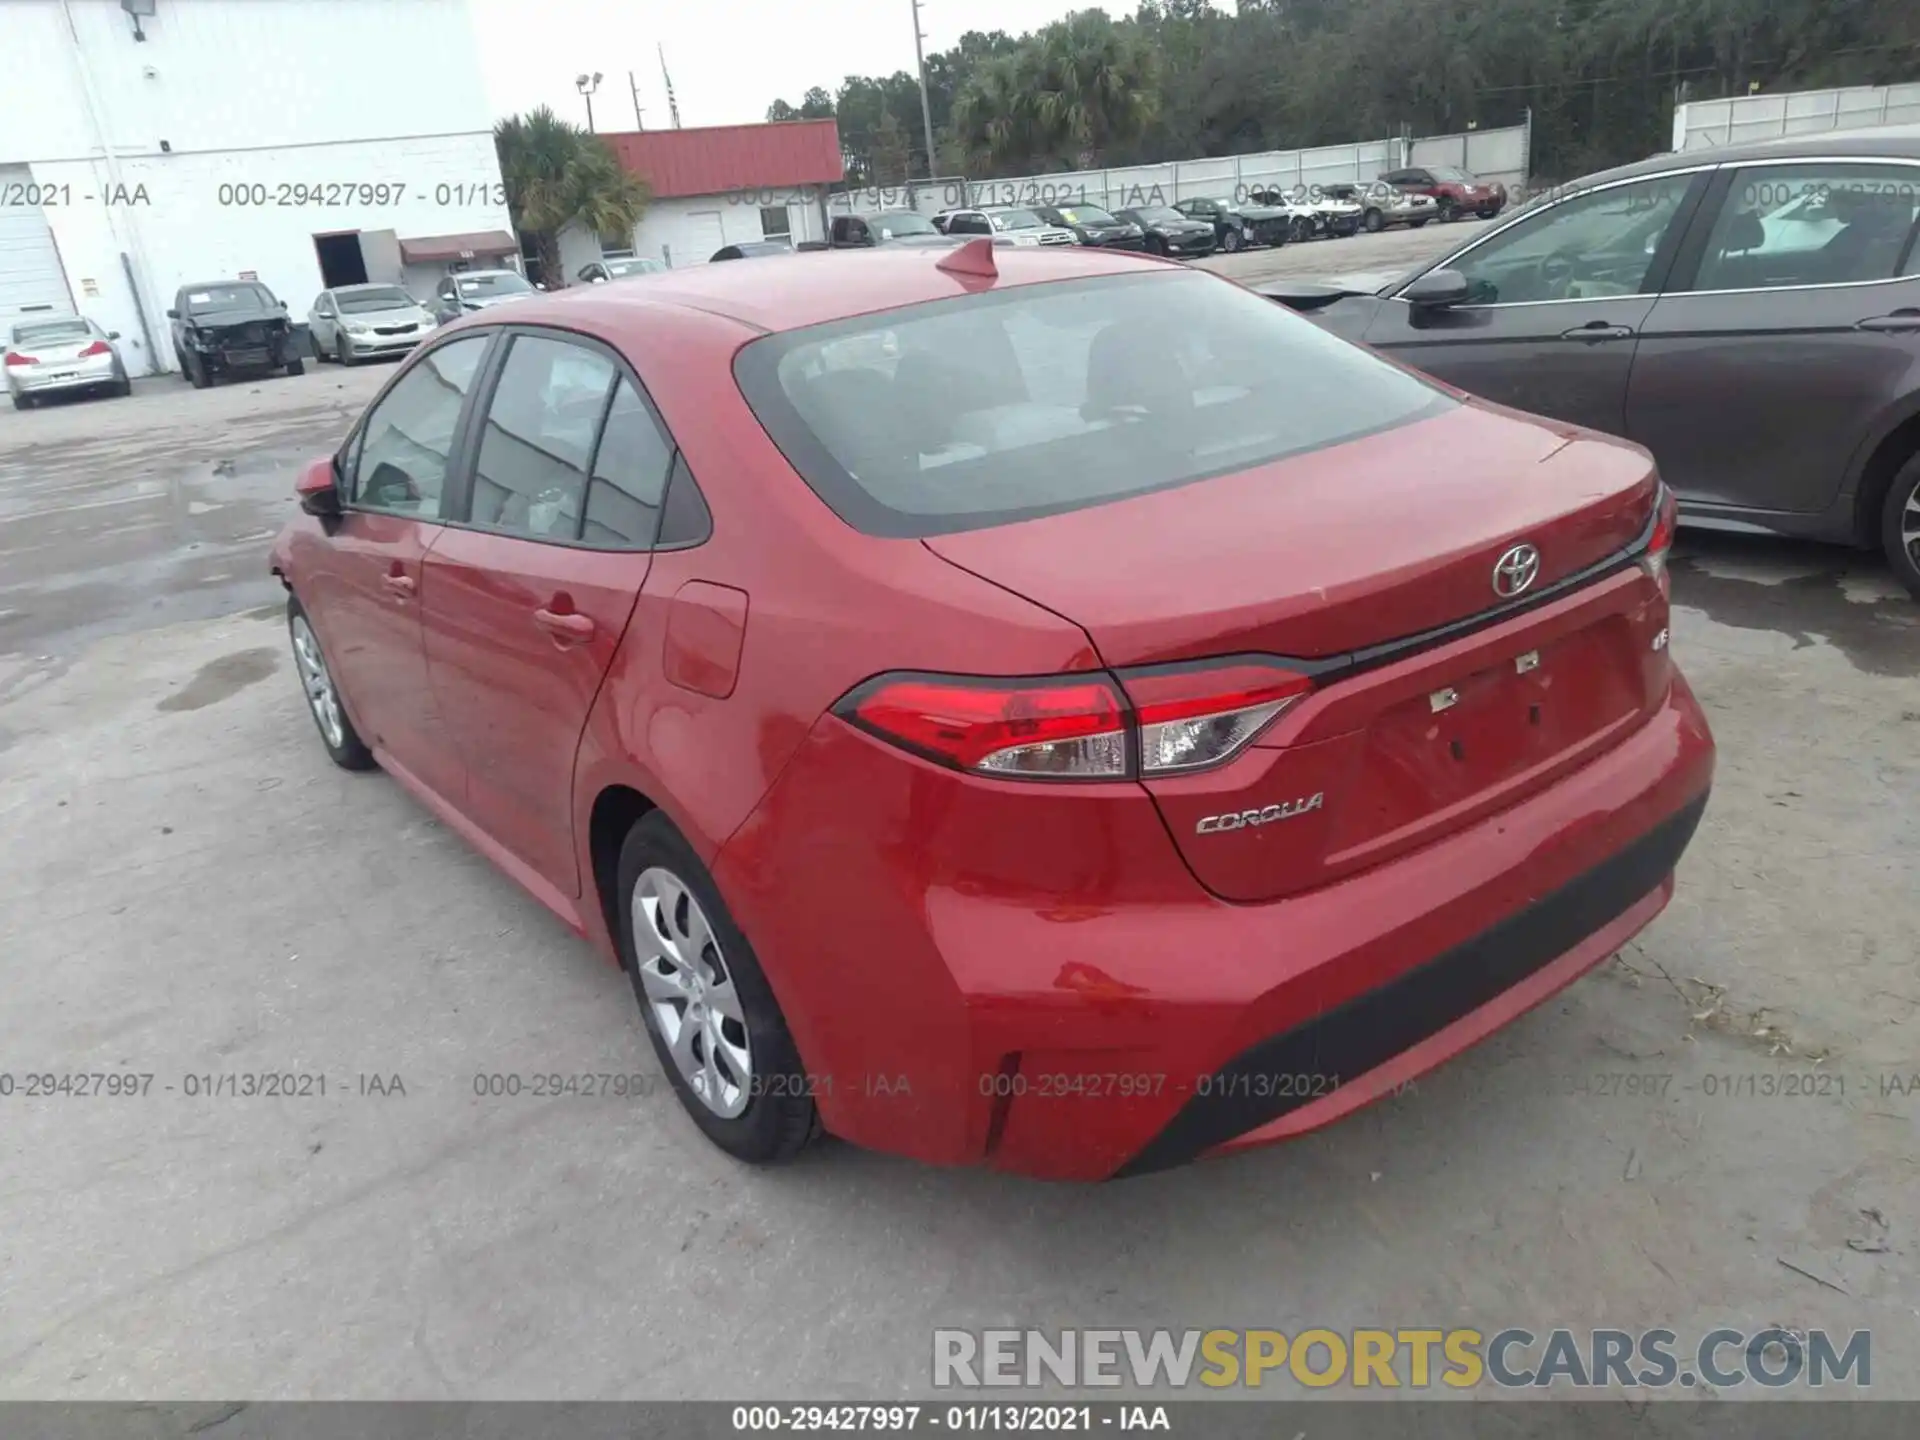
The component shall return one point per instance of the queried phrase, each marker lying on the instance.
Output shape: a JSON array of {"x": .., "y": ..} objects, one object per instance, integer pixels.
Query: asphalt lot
[{"x": 193, "y": 891}]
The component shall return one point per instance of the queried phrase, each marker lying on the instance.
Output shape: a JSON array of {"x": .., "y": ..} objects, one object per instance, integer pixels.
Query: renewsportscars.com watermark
[{"x": 1412, "y": 1359}]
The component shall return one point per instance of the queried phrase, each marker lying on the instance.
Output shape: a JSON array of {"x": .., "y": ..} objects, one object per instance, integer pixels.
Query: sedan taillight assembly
[
  {"x": 98, "y": 347},
  {"x": 14, "y": 357},
  {"x": 1166, "y": 720},
  {"x": 1666, "y": 519}
]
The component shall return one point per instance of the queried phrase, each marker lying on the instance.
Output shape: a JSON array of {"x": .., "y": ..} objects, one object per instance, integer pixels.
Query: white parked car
[
  {"x": 466, "y": 291},
  {"x": 1014, "y": 224},
  {"x": 64, "y": 356},
  {"x": 601, "y": 271},
  {"x": 351, "y": 323}
]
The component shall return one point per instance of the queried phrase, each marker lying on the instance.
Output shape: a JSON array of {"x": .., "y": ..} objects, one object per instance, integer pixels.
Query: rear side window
[
  {"x": 629, "y": 476},
  {"x": 991, "y": 408}
]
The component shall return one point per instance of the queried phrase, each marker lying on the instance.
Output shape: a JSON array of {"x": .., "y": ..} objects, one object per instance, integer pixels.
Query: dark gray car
[{"x": 1750, "y": 314}]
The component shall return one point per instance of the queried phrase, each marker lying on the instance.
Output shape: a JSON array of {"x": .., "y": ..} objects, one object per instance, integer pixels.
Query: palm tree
[
  {"x": 556, "y": 175},
  {"x": 1098, "y": 85}
]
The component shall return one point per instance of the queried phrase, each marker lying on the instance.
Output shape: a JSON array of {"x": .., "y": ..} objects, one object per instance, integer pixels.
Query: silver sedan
[
  {"x": 66, "y": 356},
  {"x": 351, "y": 323}
]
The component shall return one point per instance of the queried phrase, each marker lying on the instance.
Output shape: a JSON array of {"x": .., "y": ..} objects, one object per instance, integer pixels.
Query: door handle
[
  {"x": 571, "y": 626},
  {"x": 401, "y": 586},
  {"x": 1898, "y": 320},
  {"x": 1598, "y": 330}
]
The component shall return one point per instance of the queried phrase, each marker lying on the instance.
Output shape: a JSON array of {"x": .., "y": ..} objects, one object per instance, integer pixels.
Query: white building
[
  {"x": 719, "y": 185},
  {"x": 148, "y": 144}
]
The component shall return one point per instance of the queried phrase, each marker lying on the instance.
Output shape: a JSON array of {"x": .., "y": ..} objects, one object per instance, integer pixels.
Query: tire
[
  {"x": 342, "y": 351},
  {"x": 1449, "y": 212},
  {"x": 122, "y": 388},
  {"x": 1302, "y": 229},
  {"x": 343, "y": 743},
  {"x": 196, "y": 369},
  {"x": 1900, "y": 525},
  {"x": 296, "y": 366},
  {"x": 1231, "y": 241},
  {"x": 23, "y": 402},
  {"x": 313, "y": 344},
  {"x": 764, "y": 1113},
  {"x": 1375, "y": 222},
  {"x": 1156, "y": 246}
]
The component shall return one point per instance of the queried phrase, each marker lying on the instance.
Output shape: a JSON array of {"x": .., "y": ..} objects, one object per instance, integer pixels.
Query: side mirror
[
  {"x": 1436, "y": 290},
  {"x": 173, "y": 314},
  {"x": 113, "y": 334},
  {"x": 318, "y": 488},
  {"x": 283, "y": 304}
]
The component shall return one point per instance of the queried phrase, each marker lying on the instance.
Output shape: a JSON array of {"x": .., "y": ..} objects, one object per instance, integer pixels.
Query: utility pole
[
  {"x": 926, "y": 106},
  {"x": 634, "y": 86},
  {"x": 673, "y": 105}
]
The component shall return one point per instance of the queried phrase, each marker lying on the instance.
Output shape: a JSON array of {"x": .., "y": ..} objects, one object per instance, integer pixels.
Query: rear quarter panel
[{"x": 826, "y": 608}]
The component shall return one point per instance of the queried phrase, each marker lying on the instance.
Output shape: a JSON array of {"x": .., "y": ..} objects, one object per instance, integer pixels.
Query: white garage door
[
  {"x": 31, "y": 281},
  {"x": 700, "y": 236}
]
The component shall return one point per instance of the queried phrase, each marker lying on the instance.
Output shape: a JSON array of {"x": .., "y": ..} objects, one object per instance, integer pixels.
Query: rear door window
[
  {"x": 1812, "y": 223},
  {"x": 536, "y": 446},
  {"x": 990, "y": 408}
]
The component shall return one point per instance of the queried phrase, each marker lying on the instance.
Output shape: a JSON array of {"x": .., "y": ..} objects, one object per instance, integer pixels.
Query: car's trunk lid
[{"x": 1361, "y": 557}]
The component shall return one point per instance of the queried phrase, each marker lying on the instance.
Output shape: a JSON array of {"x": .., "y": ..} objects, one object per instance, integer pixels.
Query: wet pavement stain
[
  {"x": 1879, "y": 635},
  {"x": 219, "y": 679}
]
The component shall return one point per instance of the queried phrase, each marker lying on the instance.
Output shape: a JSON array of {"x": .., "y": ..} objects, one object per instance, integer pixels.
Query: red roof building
[{"x": 715, "y": 159}]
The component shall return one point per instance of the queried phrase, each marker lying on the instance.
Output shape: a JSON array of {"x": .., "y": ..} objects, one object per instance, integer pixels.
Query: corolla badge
[
  {"x": 1514, "y": 571},
  {"x": 1240, "y": 819}
]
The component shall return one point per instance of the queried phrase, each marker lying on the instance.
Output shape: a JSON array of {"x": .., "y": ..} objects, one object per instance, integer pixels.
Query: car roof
[
  {"x": 1897, "y": 142},
  {"x": 209, "y": 284},
  {"x": 366, "y": 285},
  {"x": 790, "y": 292}
]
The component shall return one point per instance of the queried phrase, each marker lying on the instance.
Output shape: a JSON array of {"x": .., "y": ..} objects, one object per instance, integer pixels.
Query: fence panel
[{"x": 1706, "y": 124}]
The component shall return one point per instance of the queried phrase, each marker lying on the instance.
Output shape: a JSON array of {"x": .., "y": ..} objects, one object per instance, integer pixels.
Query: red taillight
[
  {"x": 1192, "y": 717},
  {"x": 1070, "y": 728},
  {"x": 1172, "y": 720},
  {"x": 1666, "y": 518},
  {"x": 14, "y": 357},
  {"x": 98, "y": 347}
]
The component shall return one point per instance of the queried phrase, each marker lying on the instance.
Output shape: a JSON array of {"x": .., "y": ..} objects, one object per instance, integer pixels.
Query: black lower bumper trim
[{"x": 1369, "y": 1030}]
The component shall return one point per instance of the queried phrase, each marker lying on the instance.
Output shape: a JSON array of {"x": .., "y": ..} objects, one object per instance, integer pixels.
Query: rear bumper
[
  {"x": 52, "y": 379},
  {"x": 1098, "y": 1031}
]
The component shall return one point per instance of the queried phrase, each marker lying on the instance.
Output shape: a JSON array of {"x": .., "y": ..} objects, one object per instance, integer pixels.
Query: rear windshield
[
  {"x": 985, "y": 409},
  {"x": 51, "y": 332}
]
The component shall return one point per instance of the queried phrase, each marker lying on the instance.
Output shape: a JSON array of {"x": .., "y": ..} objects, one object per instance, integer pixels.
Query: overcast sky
[{"x": 730, "y": 59}]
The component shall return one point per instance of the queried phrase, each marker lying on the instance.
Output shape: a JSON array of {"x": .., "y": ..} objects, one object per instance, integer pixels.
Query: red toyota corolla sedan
[{"x": 1054, "y": 710}]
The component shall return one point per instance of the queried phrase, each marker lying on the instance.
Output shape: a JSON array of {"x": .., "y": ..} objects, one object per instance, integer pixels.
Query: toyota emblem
[{"x": 1514, "y": 571}]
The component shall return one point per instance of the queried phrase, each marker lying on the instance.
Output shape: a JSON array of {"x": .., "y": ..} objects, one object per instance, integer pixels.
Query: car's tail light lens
[
  {"x": 1167, "y": 722},
  {"x": 98, "y": 347},
  {"x": 1666, "y": 517},
  {"x": 14, "y": 357},
  {"x": 1071, "y": 728},
  {"x": 1191, "y": 718}
]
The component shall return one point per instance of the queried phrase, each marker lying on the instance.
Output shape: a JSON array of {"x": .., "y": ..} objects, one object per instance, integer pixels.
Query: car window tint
[
  {"x": 531, "y": 475},
  {"x": 402, "y": 465},
  {"x": 957, "y": 414},
  {"x": 1813, "y": 224},
  {"x": 629, "y": 477},
  {"x": 1587, "y": 247}
]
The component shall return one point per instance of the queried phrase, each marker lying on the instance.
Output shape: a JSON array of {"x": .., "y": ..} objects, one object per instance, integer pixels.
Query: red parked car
[
  {"x": 1048, "y": 709},
  {"x": 1454, "y": 191}
]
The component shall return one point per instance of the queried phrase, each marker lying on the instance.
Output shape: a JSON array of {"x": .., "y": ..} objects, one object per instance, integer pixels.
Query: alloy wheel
[
  {"x": 690, "y": 991},
  {"x": 321, "y": 696},
  {"x": 1910, "y": 526}
]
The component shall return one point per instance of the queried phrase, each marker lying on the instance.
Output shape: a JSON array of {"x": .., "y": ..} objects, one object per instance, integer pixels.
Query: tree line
[{"x": 1179, "y": 78}]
